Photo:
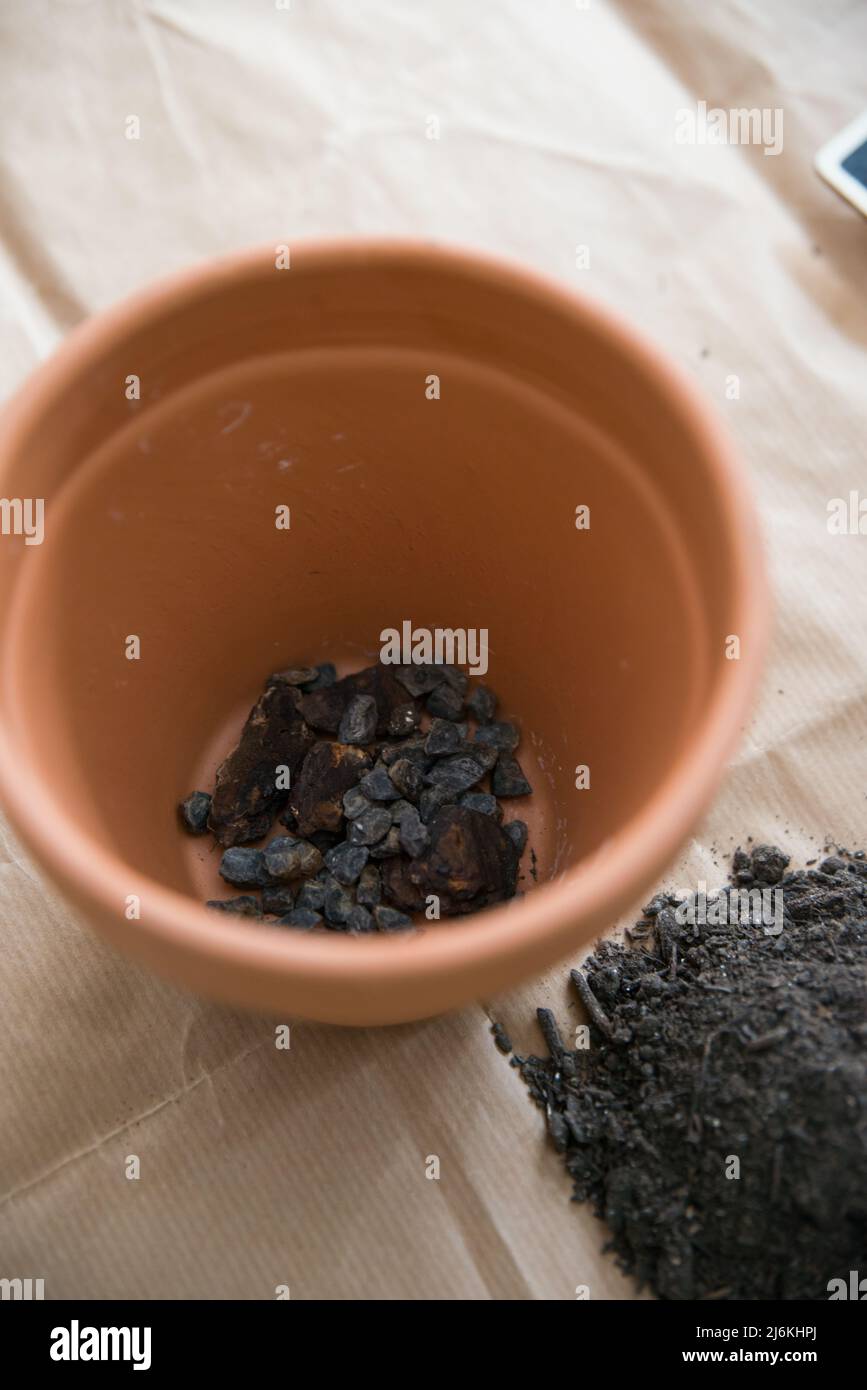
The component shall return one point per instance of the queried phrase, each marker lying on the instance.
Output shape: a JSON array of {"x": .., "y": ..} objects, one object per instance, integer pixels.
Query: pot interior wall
[{"x": 457, "y": 512}]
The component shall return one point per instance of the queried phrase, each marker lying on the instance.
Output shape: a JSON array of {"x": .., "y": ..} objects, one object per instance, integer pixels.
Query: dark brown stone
[
  {"x": 324, "y": 708},
  {"x": 470, "y": 863},
  {"x": 328, "y": 772},
  {"x": 246, "y": 796}
]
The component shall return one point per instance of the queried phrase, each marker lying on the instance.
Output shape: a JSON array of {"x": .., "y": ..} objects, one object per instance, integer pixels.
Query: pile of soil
[{"x": 718, "y": 1119}]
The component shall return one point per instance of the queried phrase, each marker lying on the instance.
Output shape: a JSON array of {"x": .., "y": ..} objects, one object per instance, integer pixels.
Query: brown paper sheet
[{"x": 307, "y": 1167}]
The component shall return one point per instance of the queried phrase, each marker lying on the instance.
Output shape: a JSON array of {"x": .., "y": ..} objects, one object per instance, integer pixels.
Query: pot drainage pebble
[{"x": 391, "y": 803}]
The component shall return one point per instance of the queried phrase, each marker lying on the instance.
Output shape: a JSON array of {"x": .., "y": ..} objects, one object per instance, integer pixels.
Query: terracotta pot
[{"x": 310, "y": 388}]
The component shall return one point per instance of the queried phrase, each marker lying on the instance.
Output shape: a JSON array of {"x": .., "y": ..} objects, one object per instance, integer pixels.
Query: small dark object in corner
[
  {"x": 508, "y": 779},
  {"x": 358, "y": 724},
  {"x": 194, "y": 812},
  {"x": 482, "y": 704},
  {"x": 245, "y": 906},
  {"x": 390, "y": 919},
  {"x": 244, "y": 867},
  {"x": 278, "y": 900},
  {"x": 517, "y": 833},
  {"x": 303, "y": 917}
]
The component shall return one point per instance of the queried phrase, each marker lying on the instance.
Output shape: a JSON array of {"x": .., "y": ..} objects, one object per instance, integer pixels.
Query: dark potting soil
[
  {"x": 718, "y": 1119},
  {"x": 390, "y": 798}
]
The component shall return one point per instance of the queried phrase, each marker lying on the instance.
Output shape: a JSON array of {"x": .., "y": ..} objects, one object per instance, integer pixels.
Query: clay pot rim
[{"x": 552, "y": 913}]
